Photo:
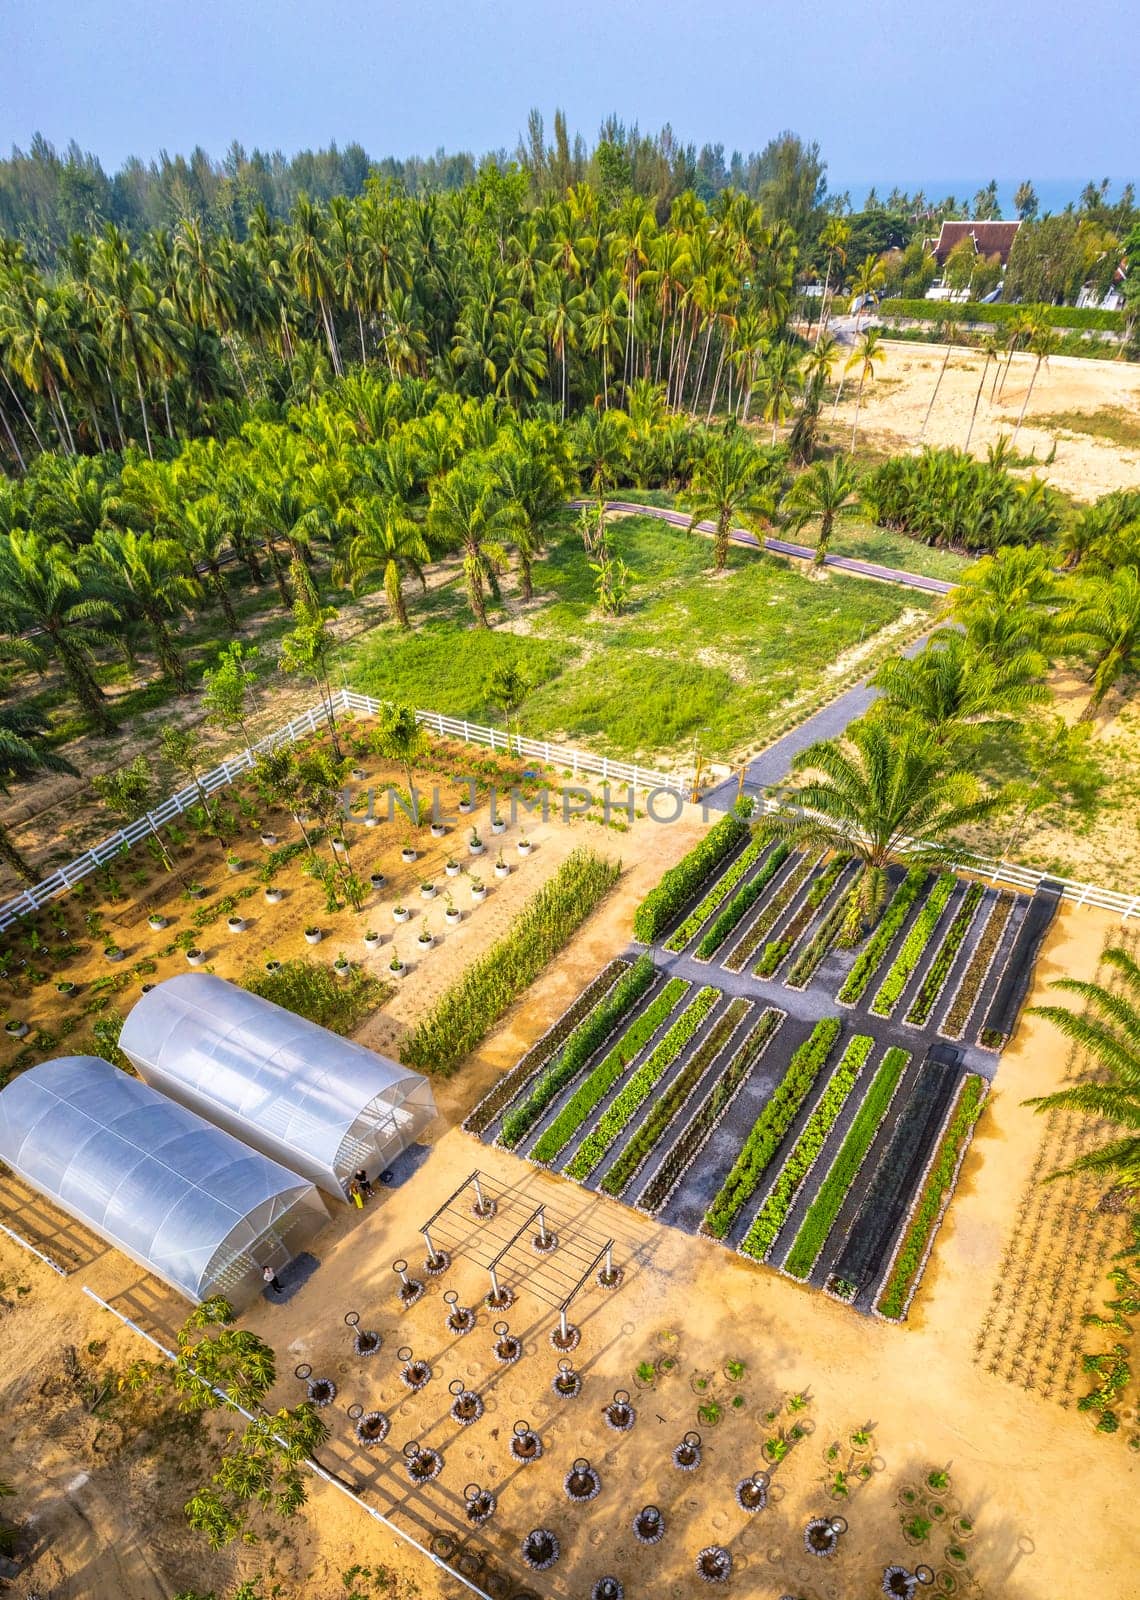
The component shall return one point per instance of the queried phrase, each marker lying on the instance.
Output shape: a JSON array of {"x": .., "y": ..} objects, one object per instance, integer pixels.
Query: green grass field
[{"x": 723, "y": 660}]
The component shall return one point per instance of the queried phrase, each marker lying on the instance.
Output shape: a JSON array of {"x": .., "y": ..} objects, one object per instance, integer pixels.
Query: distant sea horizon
[{"x": 1053, "y": 194}]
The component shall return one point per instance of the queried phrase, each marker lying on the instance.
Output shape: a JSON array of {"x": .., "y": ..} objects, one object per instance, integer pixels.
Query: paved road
[{"x": 784, "y": 547}]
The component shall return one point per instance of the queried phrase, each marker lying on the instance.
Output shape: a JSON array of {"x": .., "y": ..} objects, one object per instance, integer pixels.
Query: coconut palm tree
[
  {"x": 825, "y": 492},
  {"x": 780, "y": 380},
  {"x": 880, "y": 794},
  {"x": 1042, "y": 345},
  {"x": 866, "y": 353},
  {"x": 950, "y": 334},
  {"x": 23, "y": 757},
  {"x": 386, "y": 541},
  {"x": 868, "y": 280},
  {"x": 1104, "y": 624},
  {"x": 1108, "y": 1032},
  {"x": 834, "y": 238},
  {"x": 49, "y": 608},
  {"x": 948, "y": 686},
  {"x": 468, "y": 510},
  {"x": 149, "y": 575},
  {"x": 734, "y": 479}
]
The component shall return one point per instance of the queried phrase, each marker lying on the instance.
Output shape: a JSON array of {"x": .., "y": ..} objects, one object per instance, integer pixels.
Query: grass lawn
[
  {"x": 1114, "y": 423},
  {"x": 723, "y": 659}
]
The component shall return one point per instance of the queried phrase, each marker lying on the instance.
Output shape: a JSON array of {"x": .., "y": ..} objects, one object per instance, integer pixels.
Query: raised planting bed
[
  {"x": 590, "y": 1033},
  {"x": 664, "y": 904},
  {"x": 772, "y": 1215},
  {"x": 736, "y": 869},
  {"x": 883, "y": 936},
  {"x": 903, "y": 967},
  {"x": 896, "y": 1178},
  {"x": 797, "y": 925},
  {"x": 913, "y": 1250},
  {"x": 701, "y": 1125},
  {"x": 973, "y": 980},
  {"x": 645, "y": 1140},
  {"x": 603, "y": 1077},
  {"x": 741, "y": 903},
  {"x": 511, "y": 1084},
  {"x": 757, "y": 931},
  {"x": 634, "y": 1094},
  {"x": 770, "y": 1127},
  {"x": 803, "y": 969},
  {"x": 1013, "y": 986},
  {"x": 821, "y": 1214},
  {"x": 934, "y": 979}
]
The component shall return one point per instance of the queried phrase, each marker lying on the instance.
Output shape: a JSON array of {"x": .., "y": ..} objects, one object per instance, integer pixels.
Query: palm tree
[
  {"x": 1043, "y": 343},
  {"x": 879, "y": 795},
  {"x": 147, "y": 574},
  {"x": 202, "y": 531},
  {"x": 1005, "y": 602},
  {"x": 950, "y": 334},
  {"x": 834, "y": 238},
  {"x": 948, "y": 686},
  {"x": 386, "y": 540},
  {"x": 866, "y": 353},
  {"x": 824, "y": 492},
  {"x": 507, "y": 687},
  {"x": 468, "y": 510},
  {"x": 133, "y": 331},
  {"x": 733, "y": 478},
  {"x": 781, "y": 380},
  {"x": 603, "y": 326},
  {"x": 1105, "y": 624},
  {"x": 1108, "y": 1031},
  {"x": 49, "y": 608},
  {"x": 20, "y": 760},
  {"x": 989, "y": 348},
  {"x": 535, "y": 489},
  {"x": 869, "y": 278}
]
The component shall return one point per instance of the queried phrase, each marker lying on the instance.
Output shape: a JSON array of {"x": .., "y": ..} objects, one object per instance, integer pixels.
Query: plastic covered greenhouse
[
  {"x": 185, "y": 1200},
  {"x": 321, "y": 1105}
]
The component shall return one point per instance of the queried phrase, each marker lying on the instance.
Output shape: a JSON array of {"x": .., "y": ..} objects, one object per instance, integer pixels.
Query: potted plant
[
  {"x": 269, "y": 840},
  {"x": 272, "y": 965},
  {"x": 371, "y": 820},
  {"x": 15, "y": 1029},
  {"x": 497, "y": 825},
  {"x": 938, "y": 1479},
  {"x": 339, "y": 847},
  {"x": 424, "y": 938},
  {"x": 396, "y": 967},
  {"x": 502, "y": 870},
  {"x": 233, "y": 863},
  {"x": 427, "y": 891},
  {"x": 156, "y": 922},
  {"x": 916, "y": 1530},
  {"x": 451, "y": 915},
  {"x": 359, "y": 774},
  {"x": 195, "y": 956},
  {"x": 342, "y": 966},
  {"x": 478, "y": 890},
  {"x": 196, "y": 891},
  {"x": 775, "y": 1449},
  {"x": 273, "y": 895},
  {"x": 524, "y": 846},
  {"x": 313, "y": 936},
  {"x": 114, "y": 952},
  {"x": 452, "y": 867},
  {"x": 65, "y": 986},
  {"x": 400, "y": 914},
  {"x": 465, "y": 806},
  {"x": 408, "y": 854},
  {"x": 235, "y": 924},
  {"x": 377, "y": 880},
  {"x": 371, "y": 940},
  {"x": 438, "y": 830},
  {"x": 474, "y": 844}
]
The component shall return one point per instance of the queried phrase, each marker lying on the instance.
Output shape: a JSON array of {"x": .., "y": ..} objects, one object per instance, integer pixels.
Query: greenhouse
[
  {"x": 185, "y": 1200},
  {"x": 322, "y": 1105}
]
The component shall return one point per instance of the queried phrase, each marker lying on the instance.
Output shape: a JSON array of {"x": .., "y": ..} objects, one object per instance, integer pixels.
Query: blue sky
[{"x": 907, "y": 93}]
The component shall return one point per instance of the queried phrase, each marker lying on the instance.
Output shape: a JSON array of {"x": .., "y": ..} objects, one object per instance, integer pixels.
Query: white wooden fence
[{"x": 576, "y": 763}]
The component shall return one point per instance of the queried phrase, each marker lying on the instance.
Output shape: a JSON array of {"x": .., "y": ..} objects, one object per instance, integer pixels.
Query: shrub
[
  {"x": 824, "y": 1209},
  {"x": 723, "y": 886},
  {"x": 678, "y": 886},
  {"x": 772, "y": 1214},
  {"x": 637, "y": 1090},
  {"x": 312, "y": 990},
  {"x": 609, "y": 1070},
  {"x": 939, "y": 970},
  {"x": 914, "y": 947},
  {"x": 770, "y": 1127},
  {"x": 936, "y": 1191},
  {"x": 876, "y": 947},
  {"x": 1089, "y": 317},
  {"x": 742, "y": 903},
  {"x": 464, "y": 1013},
  {"x": 645, "y": 1139}
]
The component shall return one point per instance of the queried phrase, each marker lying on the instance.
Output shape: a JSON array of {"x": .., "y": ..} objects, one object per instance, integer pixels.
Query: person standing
[
  {"x": 271, "y": 1280},
  {"x": 365, "y": 1183}
]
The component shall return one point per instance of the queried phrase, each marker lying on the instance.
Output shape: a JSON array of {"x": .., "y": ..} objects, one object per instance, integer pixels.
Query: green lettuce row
[
  {"x": 678, "y": 886},
  {"x": 935, "y": 1195},
  {"x": 770, "y": 915},
  {"x": 768, "y": 1221},
  {"x": 741, "y": 903},
  {"x": 602, "y": 1079},
  {"x": 879, "y": 942},
  {"x": 590, "y": 1033},
  {"x": 645, "y": 1140},
  {"x": 634, "y": 1094},
  {"x": 685, "y": 1150},
  {"x": 770, "y": 1127},
  {"x": 720, "y": 890},
  {"x": 931, "y": 986},
  {"x": 914, "y": 947},
  {"x": 832, "y": 1192}
]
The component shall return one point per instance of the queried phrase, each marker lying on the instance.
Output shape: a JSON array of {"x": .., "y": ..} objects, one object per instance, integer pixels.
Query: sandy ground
[
  {"x": 895, "y": 404},
  {"x": 1042, "y": 1531}
]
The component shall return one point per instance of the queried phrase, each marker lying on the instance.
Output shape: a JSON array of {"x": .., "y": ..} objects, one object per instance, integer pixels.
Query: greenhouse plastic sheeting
[
  {"x": 320, "y": 1104},
  {"x": 187, "y": 1201}
]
